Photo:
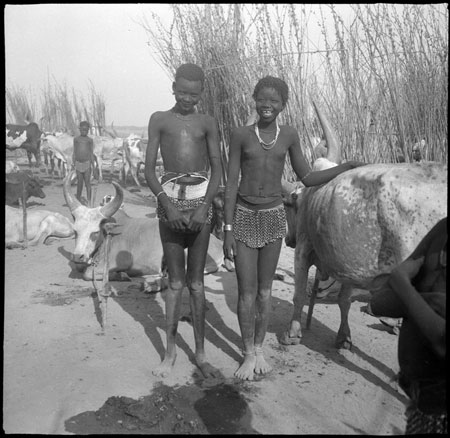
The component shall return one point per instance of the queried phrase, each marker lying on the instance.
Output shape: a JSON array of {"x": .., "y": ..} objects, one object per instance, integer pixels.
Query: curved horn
[
  {"x": 71, "y": 201},
  {"x": 111, "y": 207},
  {"x": 288, "y": 187},
  {"x": 333, "y": 144}
]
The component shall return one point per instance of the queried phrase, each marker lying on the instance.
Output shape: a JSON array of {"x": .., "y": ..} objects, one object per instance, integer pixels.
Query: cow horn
[
  {"x": 333, "y": 143},
  {"x": 72, "y": 202},
  {"x": 111, "y": 207},
  {"x": 288, "y": 187},
  {"x": 252, "y": 118}
]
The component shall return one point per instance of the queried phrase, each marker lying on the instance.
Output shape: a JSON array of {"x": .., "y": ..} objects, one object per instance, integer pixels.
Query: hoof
[
  {"x": 393, "y": 324},
  {"x": 346, "y": 344},
  {"x": 229, "y": 265},
  {"x": 286, "y": 339}
]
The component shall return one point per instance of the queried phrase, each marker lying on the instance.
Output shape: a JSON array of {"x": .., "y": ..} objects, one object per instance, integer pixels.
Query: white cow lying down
[{"x": 41, "y": 224}]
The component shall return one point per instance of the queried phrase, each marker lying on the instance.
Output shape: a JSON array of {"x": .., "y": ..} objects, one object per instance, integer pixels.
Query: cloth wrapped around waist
[
  {"x": 175, "y": 185},
  {"x": 182, "y": 191},
  {"x": 185, "y": 196},
  {"x": 82, "y": 166}
]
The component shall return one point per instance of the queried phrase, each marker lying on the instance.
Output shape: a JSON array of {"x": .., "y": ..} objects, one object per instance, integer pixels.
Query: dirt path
[{"x": 63, "y": 376}]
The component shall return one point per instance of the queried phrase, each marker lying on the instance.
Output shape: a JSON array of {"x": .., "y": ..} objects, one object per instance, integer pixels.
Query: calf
[{"x": 134, "y": 157}]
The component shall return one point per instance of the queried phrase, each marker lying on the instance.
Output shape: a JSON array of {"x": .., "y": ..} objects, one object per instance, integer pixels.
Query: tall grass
[
  {"x": 20, "y": 105},
  {"x": 382, "y": 79},
  {"x": 57, "y": 107}
]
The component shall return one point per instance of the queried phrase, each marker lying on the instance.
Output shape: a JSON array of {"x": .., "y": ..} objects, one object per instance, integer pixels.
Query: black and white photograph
[{"x": 225, "y": 218}]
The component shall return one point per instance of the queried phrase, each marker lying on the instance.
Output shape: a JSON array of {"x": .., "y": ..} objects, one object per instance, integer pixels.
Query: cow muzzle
[{"x": 80, "y": 262}]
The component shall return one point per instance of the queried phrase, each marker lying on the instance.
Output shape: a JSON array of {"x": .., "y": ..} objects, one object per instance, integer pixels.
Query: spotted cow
[{"x": 359, "y": 226}]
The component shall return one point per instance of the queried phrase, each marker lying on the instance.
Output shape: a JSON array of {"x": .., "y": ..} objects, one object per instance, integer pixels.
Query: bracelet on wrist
[
  {"x": 160, "y": 193},
  {"x": 228, "y": 227}
]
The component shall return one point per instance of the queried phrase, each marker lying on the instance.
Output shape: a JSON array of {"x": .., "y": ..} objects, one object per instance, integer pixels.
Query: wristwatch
[{"x": 228, "y": 227}]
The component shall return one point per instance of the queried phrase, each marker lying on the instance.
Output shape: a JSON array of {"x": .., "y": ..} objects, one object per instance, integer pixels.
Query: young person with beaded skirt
[{"x": 255, "y": 220}]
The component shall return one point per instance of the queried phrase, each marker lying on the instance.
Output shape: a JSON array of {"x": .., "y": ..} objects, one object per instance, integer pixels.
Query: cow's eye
[{"x": 94, "y": 235}]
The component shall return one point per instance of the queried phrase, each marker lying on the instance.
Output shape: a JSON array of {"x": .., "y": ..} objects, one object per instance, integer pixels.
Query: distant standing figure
[
  {"x": 189, "y": 148},
  {"x": 83, "y": 160},
  {"x": 416, "y": 290},
  {"x": 417, "y": 151}
]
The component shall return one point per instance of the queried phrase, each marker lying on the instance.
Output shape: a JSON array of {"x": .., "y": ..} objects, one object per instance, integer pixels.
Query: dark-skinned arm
[
  {"x": 231, "y": 189},
  {"x": 430, "y": 323},
  {"x": 198, "y": 219},
  {"x": 174, "y": 217},
  {"x": 314, "y": 178}
]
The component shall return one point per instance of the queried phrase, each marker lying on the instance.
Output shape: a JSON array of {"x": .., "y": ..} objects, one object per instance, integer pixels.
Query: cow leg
[
  {"x": 37, "y": 156},
  {"x": 293, "y": 335},
  {"x": 12, "y": 245},
  {"x": 45, "y": 160},
  {"x": 343, "y": 339},
  {"x": 45, "y": 229},
  {"x": 52, "y": 164},
  {"x": 99, "y": 164},
  {"x": 134, "y": 175},
  {"x": 125, "y": 169},
  {"x": 29, "y": 158}
]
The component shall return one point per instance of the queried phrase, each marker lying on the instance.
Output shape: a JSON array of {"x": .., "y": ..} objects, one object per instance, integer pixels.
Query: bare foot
[
  {"x": 205, "y": 367},
  {"x": 165, "y": 367},
  {"x": 261, "y": 366},
  {"x": 245, "y": 371}
]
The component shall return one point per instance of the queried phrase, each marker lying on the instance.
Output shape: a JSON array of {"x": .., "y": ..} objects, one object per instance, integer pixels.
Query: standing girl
[{"x": 254, "y": 213}]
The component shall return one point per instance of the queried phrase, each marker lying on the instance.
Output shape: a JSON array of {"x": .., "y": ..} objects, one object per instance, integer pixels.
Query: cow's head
[
  {"x": 33, "y": 187},
  {"x": 15, "y": 138},
  {"x": 87, "y": 221},
  {"x": 290, "y": 193},
  {"x": 106, "y": 227}
]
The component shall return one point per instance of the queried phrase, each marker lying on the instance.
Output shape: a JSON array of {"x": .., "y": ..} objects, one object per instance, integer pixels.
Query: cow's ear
[{"x": 107, "y": 220}]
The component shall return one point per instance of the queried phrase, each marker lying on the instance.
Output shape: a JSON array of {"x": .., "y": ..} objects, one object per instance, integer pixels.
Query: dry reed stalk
[
  {"x": 382, "y": 79},
  {"x": 61, "y": 109}
]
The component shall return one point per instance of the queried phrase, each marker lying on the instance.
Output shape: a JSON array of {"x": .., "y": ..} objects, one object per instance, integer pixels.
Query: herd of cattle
[
  {"x": 355, "y": 228},
  {"x": 58, "y": 147}
]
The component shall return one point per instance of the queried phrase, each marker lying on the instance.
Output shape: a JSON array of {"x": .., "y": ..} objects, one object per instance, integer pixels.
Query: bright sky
[{"x": 78, "y": 43}]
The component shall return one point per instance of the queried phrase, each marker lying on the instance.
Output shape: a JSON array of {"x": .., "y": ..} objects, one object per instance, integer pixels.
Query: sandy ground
[{"x": 62, "y": 375}]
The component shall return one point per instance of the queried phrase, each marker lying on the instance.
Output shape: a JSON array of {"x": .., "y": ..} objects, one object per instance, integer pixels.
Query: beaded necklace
[{"x": 264, "y": 145}]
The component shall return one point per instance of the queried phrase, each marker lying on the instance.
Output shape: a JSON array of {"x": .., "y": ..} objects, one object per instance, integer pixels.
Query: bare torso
[
  {"x": 261, "y": 169},
  {"x": 183, "y": 143},
  {"x": 83, "y": 148}
]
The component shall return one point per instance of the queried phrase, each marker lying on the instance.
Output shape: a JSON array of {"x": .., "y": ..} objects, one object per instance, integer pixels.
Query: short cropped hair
[
  {"x": 191, "y": 72},
  {"x": 84, "y": 123},
  {"x": 272, "y": 82}
]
